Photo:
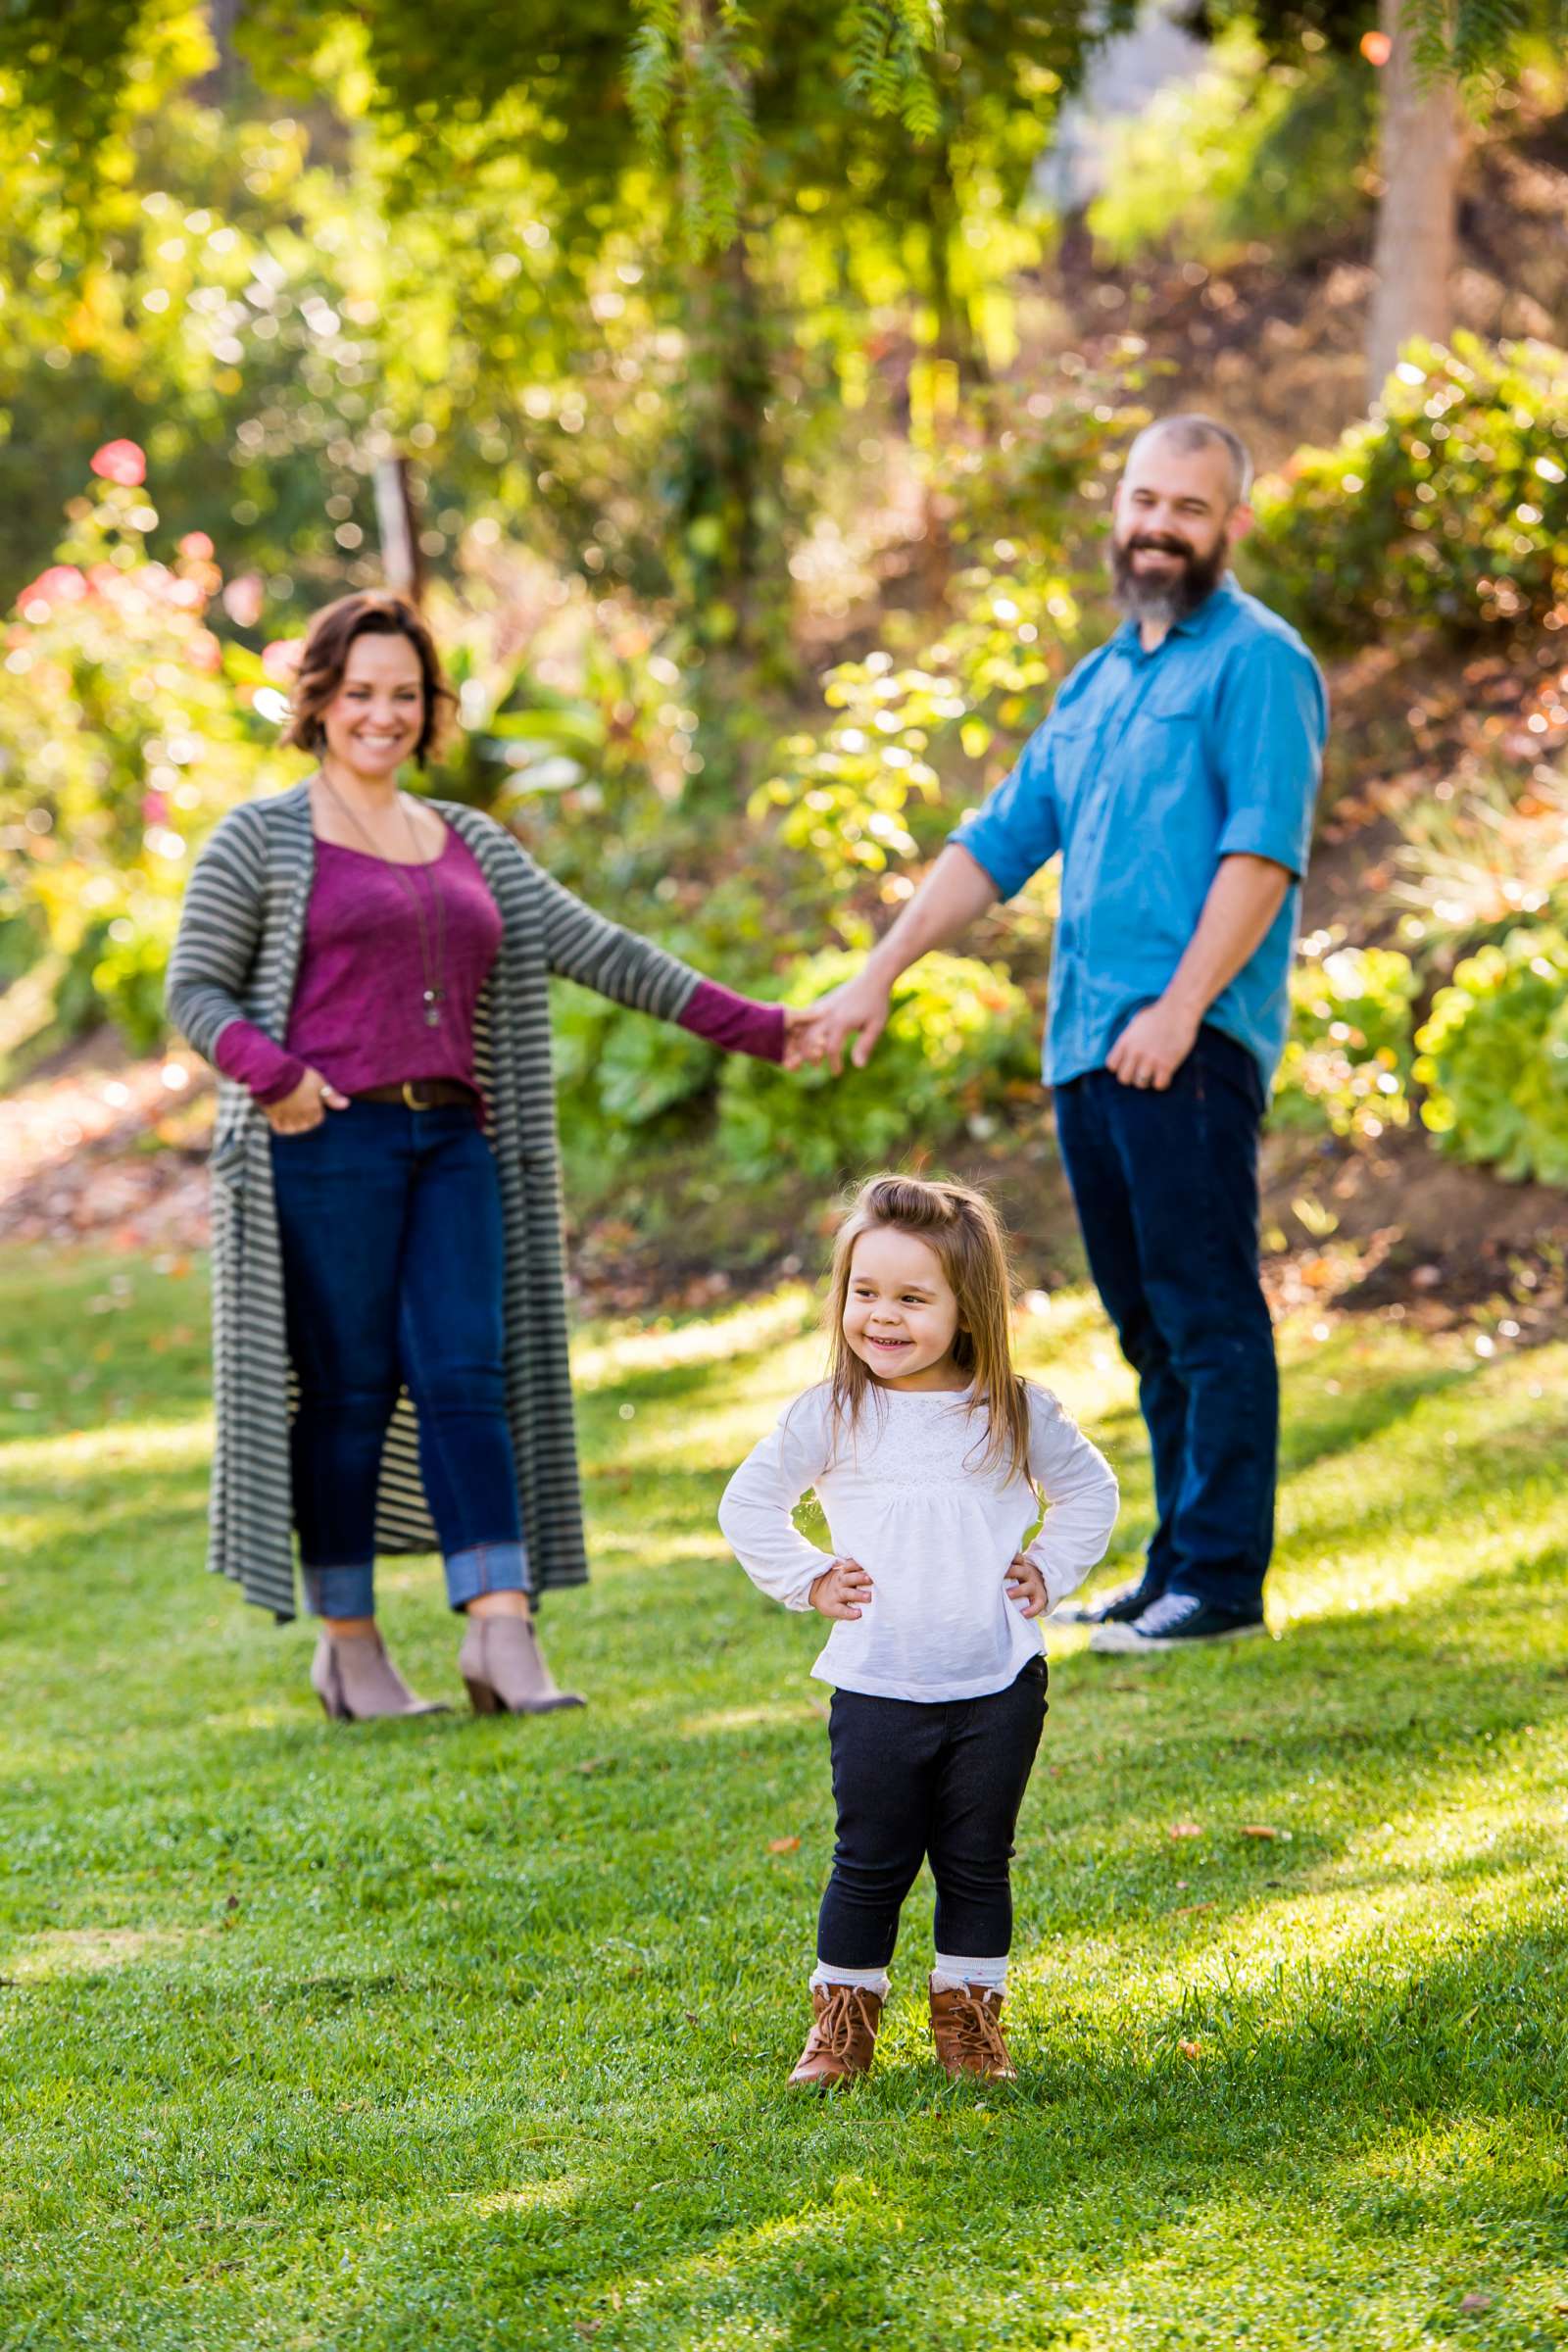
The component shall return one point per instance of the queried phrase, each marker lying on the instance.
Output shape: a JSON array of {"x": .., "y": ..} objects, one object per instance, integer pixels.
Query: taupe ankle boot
[
  {"x": 354, "y": 1679},
  {"x": 505, "y": 1669},
  {"x": 842, "y": 2041},
  {"x": 967, "y": 2028}
]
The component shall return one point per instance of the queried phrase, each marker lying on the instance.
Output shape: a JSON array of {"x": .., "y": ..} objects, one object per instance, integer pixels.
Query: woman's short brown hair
[{"x": 325, "y": 658}]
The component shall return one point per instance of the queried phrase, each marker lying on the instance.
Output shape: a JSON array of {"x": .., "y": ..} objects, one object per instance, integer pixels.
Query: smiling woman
[{"x": 368, "y": 973}]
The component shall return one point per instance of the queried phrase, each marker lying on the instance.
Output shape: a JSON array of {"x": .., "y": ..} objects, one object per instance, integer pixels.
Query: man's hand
[
  {"x": 842, "y": 1591},
  {"x": 305, "y": 1107},
  {"x": 1155, "y": 1043},
  {"x": 858, "y": 1009},
  {"x": 1025, "y": 1583}
]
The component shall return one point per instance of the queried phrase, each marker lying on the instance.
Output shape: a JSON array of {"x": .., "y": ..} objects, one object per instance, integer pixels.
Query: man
[{"x": 1176, "y": 774}]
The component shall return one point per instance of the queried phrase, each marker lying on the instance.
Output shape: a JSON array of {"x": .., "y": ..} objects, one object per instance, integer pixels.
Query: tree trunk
[{"x": 1421, "y": 150}]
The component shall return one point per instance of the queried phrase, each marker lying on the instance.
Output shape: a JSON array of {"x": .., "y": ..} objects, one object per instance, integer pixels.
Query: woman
[{"x": 367, "y": 972}]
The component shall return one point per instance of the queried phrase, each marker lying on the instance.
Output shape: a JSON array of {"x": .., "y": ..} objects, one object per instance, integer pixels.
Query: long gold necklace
[{"x": 432, "y": 966}]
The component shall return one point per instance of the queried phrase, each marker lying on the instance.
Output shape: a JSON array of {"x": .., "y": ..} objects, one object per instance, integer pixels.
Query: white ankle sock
[
  {"x": 951, "y": 1973},
  {"x": 870, "y": 1980}
]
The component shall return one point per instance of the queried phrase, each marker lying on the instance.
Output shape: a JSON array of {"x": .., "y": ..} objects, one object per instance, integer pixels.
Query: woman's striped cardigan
[{"x": 237, "y": 957}]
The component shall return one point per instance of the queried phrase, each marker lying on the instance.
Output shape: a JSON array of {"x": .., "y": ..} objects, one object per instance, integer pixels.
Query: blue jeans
[
  {"x": 1165, "y": 1186},
  {"x": 390, "y": 1221}
]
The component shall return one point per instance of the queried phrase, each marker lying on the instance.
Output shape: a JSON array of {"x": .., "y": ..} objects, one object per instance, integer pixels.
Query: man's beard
[{"x": 1144, "y": 597}]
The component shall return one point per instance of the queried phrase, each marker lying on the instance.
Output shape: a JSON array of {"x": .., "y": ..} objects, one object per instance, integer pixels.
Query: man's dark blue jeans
[
  {"x": 390, "y": 1222},
  {"x": 1165, "y": 1184}
]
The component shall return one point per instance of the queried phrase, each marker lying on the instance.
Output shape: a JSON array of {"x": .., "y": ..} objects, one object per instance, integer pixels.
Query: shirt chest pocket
[{"x": 1166, "y": 750}]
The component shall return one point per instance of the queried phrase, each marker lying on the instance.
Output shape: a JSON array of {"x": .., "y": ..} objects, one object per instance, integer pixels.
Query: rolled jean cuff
[
  {"x": 341, "y": 1591},
  {"x": 486, "y": 1568}
]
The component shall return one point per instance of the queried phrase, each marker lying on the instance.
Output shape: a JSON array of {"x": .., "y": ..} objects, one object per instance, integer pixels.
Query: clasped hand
[{"x": 820, "y": 1032}]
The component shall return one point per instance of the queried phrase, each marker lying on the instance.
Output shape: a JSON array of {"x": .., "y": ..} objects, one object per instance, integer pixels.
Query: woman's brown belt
[{"x": 421, "y": 1094}]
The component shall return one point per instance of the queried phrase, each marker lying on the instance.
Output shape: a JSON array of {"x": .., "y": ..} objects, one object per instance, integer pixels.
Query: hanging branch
[
  {"x": 689, "y": 79},
  {"x": 1476, "y": 42}
]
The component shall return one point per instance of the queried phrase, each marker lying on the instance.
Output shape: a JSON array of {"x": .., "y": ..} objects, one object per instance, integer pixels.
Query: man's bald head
[{"x": 1188, "y": 434}]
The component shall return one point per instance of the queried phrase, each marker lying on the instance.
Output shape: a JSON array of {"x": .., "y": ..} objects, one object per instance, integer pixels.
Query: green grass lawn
[{"x": 474, "y": 2034}]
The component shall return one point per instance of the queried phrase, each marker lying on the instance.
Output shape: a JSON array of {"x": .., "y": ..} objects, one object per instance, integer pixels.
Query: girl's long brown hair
[{"x": 964, "y": 1231}]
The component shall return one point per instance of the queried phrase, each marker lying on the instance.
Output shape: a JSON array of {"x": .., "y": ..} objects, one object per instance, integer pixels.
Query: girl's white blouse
[{"x": 903, "y": 1498}]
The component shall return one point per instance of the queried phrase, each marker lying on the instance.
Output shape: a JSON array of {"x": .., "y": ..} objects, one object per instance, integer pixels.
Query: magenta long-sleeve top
[{"x": 359, "y": 1015}]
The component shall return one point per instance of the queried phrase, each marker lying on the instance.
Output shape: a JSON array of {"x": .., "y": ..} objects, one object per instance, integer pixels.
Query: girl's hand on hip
[
  {"x": 1026, "y": 1585},
  {"x": 305, "y": 1107},
  {"x": 842, "y": 1591}
]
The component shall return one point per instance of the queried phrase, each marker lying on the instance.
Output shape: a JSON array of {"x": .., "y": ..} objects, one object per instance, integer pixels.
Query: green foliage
[
  {"x": 1348, "y": 1062},
  {"x": 621, "y": 1077},
  {"x": 1494, "y": 1056},
  {"x": 1448, "y": 508},
  {"x": 961, "y": 1036},
  {"x": 1242, "y": 151},
  {"x": 890, "y": 41}
]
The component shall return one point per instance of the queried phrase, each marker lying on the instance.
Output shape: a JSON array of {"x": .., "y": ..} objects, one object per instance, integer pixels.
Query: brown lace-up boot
[
  {"x": 842, "y": 2041},
  {"x": 967, "y": 2028}
]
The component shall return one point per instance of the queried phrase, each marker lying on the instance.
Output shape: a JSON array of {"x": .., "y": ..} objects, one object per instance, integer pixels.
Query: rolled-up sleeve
[
  {"x": 1015, "y": 830},
  {"x": 1273, "y": 722}
]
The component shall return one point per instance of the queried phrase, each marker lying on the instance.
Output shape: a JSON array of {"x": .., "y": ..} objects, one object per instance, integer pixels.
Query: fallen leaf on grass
[
  {"x": 1475, "y": 2302},
  {"x": 1185, "y": 1829},
  {"x": 1188, "y": 2049},
  {"x": 1257, "y": 1829},
  {"x": 782, "y": 1846},
  {"x": 1183, "y": 1908}
]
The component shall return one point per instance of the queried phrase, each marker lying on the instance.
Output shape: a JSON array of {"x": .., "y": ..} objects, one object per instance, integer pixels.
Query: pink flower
[
  {"x": 61, "y": 584},
  {"x": 281, "y": 659},
  {"x": 121, "y": 462},
  {"x": 197, "y": 546},
  {"x": 243, "y": 599},
  {"x": 205, "y": 651},
  {"x": 154, "y": 807}
]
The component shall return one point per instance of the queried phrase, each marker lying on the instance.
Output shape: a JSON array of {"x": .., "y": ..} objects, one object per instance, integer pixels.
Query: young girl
[{"x": 926, "y": 1450}]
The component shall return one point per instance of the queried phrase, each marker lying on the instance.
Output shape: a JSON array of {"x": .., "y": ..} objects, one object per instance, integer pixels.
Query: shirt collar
[{"x": 1219, "y": 601}]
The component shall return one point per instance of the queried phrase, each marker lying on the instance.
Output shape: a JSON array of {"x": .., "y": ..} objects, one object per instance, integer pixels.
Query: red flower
[{"x": 120, "y": 461}]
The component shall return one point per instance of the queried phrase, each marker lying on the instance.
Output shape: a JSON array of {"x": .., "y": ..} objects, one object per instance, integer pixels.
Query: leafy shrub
[
  {"x": 122, "y": 738},
  {"x": 1449, "y": 508},
  {"x": 618, "y": 1074},
  {"x": 961, "y": 1037},
  {"x": 1494, "y": 1055},
  {"x": 1348, "y": 1063}
]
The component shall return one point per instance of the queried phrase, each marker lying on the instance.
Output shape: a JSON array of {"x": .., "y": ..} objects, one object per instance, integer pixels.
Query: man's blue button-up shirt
[{"x": 1150, "y": 768}]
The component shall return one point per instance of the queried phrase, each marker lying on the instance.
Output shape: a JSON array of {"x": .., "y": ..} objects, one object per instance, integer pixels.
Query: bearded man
[{"x": 1176, "y": 775}]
